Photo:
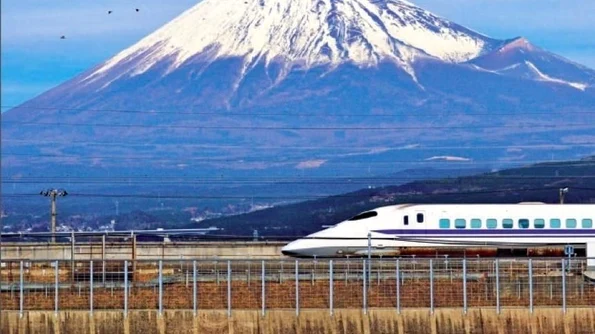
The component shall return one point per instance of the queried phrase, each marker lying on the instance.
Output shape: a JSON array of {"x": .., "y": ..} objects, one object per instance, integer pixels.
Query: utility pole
[
  {"x": 53, "y": 194},
  {"x": 563, "y": 192}
]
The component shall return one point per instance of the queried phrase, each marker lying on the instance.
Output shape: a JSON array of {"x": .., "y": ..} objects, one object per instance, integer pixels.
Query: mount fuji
[{"x": 283, "y": 87}]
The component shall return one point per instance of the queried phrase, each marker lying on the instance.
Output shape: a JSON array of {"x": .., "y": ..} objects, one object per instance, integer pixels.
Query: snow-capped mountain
[
  {"x": 519, "y": 58},
  {"x": 430, "y": 86},
  {"x": 303, "y": 33},
  {"x": 227, "y": 53}
]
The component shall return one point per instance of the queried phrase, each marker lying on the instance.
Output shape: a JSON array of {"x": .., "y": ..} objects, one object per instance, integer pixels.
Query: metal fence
[{"x": 295, "y": 284}]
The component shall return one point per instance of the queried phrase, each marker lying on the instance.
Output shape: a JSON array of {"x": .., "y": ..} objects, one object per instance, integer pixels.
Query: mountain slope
[
  {"x": 519, "y": 58},
  {"x": 231, "y": 43},
  {"x": 270, "y": 86},
  {"x": 302, "y": 33},
  {"x": 534, "y": 183},
  {"x": 225, "y": 54}
]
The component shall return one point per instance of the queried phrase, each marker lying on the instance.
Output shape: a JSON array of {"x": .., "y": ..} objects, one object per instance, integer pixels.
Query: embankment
[{"x": 451, "y": 321}]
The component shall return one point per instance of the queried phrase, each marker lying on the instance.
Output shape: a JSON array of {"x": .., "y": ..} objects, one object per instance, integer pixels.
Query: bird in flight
[
  {"x": 109, "y": 12},
  {"x": 138, "y": 10},
  {"x": 62, "y": 37}
]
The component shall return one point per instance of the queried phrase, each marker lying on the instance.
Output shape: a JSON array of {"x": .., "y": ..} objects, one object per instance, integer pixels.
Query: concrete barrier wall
[
  {"x": 144, "y": 250},
  {"x": 447, "y": 321}
]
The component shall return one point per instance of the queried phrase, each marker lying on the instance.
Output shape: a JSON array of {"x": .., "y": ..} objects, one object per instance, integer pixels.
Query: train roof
[{"x": 411, "y": 205}]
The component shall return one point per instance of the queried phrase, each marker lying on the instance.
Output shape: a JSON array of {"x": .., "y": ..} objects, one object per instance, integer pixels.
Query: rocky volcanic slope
[{"x": 448, "y": 86}]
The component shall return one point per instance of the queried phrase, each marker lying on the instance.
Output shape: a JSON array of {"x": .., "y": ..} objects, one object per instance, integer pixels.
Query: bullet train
[{"x": 500, "y": 226}]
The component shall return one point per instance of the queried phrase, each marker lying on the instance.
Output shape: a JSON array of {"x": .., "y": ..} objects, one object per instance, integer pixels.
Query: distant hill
[
  {"x": 216, "y": 194},
  {"x": 144, "y": 203},
  {"x": 540, "y": 182}
]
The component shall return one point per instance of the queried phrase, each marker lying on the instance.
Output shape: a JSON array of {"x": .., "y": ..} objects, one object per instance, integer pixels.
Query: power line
[
  {"x": 305, "y": 128},
  {"x": 272, "y": 181},
  {"x": 283, "y": 178},
  {"x": 250, "y": 114},
  {"x": 189, "y": 183},
  {"x": 326, "y": 160},
  {"x": 383, "y": 147},
  {"x": 379, "y": 193},
  {"x": 249, "y": 160},
  {"x": 386, "y": 165},
  {"x": 358, "y": 150}
]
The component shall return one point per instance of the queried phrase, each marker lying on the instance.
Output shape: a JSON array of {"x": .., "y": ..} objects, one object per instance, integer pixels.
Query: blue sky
[{"x": 34, "y": 59}]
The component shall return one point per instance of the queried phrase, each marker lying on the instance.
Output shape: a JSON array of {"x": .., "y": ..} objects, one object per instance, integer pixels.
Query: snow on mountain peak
[{"x": 305, "y": 32}]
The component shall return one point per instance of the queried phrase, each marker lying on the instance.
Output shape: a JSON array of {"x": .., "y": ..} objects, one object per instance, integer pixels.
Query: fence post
[
  {"x": 72, "y": 257},
  {"x": 103, "y": 260},
  {"x": 370, "y": 258},
  {"x": 331, "y": 287},
  {"x": 21, "y": 290},
  {"x": 431, "y": 286},
  {"x": 530, "y": 286},
  {"x": 228, "y": 288},
  {"x": 497, "y": 286},
  {"x": 465, "y": 286},
  {"x": 160, "y": 287},
  {"x": 103, "y": 247},
  {"x": 56, "y": 286},
  {"x": 103, "y": 272},
  {"x": 564, "y": 285},
  {"x": 125, "y": 288},
  {"x": 262, "y": 282},
  {"x": 398, "y": 279},
  {"x": 194, "y": 288},
  {"x": 365, "y": 292},
  {"x": 297, "y": 288},
  {"x": 91, "y": 287}
]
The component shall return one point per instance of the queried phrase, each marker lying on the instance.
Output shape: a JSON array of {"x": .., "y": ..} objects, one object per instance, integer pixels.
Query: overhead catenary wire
[
  {"x": 224, "y": 113},
  {"x": 335, "y": 159},
  {"x": 326, "y": 159},
  {"x": 382, "y": 146},
  {"x": 300, "y": 178},
  {"x": 352, "y": 150},
  {"x": 306, "y": 128},
  {"x": 272, "y": 181},
  {"x": 379, "y": 193}
]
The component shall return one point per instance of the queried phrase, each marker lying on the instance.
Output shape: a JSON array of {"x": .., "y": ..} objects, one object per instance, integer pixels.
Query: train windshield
[{"x": 365, "y": 215}]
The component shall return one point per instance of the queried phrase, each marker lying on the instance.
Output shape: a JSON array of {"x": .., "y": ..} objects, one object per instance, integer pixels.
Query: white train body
[{"x": 453, "y": 225}]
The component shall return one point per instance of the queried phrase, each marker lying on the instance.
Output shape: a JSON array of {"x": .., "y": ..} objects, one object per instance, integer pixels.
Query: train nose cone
[
  {"x": 291, "y": 249},
  {"x": 289, "y": 253}
]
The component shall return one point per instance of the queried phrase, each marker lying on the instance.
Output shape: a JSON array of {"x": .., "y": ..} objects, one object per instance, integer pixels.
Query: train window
[
  {"x": 405, "y": 220},
  {"x": 524, "y": 223},
  {"x": 507, "y": 223},
  {"x": 491, "y": 223},
  {"x": 539, "y": 223},
  {"x": 555, "y": 223},
  {"x": 365, "y": 215},
  {"x": 475, "y": 223},
  {"x": 570, "y": 223},
  {"x": 420, "y": 217},
  {"x": 587, "y": 223},
  {"x": 460, "y": 223},
  {"x": 444, "y": 223}
]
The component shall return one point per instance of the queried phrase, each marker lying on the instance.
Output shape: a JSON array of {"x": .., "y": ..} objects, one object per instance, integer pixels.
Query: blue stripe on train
[{"x": 491, "y": 233}]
